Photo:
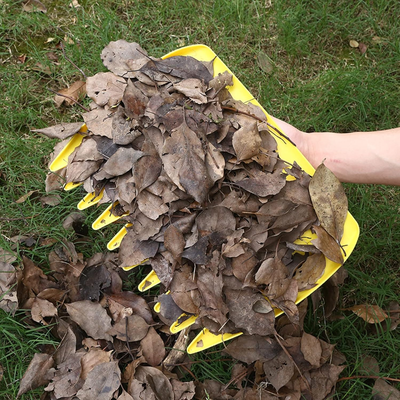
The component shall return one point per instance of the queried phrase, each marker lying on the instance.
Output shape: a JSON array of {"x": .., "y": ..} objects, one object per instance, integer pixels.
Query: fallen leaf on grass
[
  {"x": 383, "y": 391},
  {"x": 26, "y": 196},
  {"x": 353, "y": 43},
  {"x": 71, "y": 94},
  {"x": 372, "y": 314},
  {"x": 8, "y": 293},
  {"x": 34, "y": 6},
  {"x": 264, "y": 62}
]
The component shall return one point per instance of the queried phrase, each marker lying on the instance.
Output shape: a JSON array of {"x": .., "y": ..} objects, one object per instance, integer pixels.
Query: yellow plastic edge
[
  {"x": 61, "y": 161},
  {"x": 177, "y": 326},
  {"x": 107, "y": 217},
  {"x": 136, "y": 265},
  {"x": 205, "y": 339},
  {"x": 115, "y": 242},
  {"x": 90, "y": 200},
  {"x": 71, "y": 185},
  {"x": 150, "y": 281}
]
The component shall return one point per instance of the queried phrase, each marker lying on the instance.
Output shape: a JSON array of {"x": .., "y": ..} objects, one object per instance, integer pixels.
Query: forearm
[{"x": 359, "y": 157}]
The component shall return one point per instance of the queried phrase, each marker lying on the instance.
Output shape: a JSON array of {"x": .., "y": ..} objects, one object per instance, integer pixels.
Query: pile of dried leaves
[
  {"x": 207, "y": 194},
  {"x": 214, "y": 212},
  {"x": 114, "y": 346}
]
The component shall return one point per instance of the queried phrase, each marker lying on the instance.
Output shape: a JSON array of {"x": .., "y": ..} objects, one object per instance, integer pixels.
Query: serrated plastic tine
[
  {"x": 136, "y": 265},
  {"x": 61, "y": 161},
  {"x": 115, "y": 242},
  {"x": 71, "y": 185},
  {"x": 107, "y": 217},
  {"x": 150, "y": 281},
  {"x": 90, "y": 200},
  {"x": 183, "y": 322},
  {"x": 205, "y": 339}
]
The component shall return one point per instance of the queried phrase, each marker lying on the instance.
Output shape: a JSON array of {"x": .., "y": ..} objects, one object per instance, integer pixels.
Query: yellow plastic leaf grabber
[{"x": 287, "y": 151}]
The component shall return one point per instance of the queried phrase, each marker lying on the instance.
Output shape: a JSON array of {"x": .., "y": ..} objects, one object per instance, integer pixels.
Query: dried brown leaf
[
  {"x": 279, "y": 371},
  {"x": 101, "y": 382},
  {"x": 246, "y": 141},
  {"x": 36, "y": 373},
  {"x": 105, "y": 88},
  {"x": 323, "y": 380},
  {"x": 34, "y": 6},
  {"x": 174, "y": 241},
  {"x": 184, "y": 162},
  {"x": 248, "y": 348},
  {"x": 372, "y": 314},
  {"x": 137, "y": 303},
  {"x": 241, "y": 313},
  {"x": 71, "y": 94},
  {"x": 153, "y": 348},
  {"x": 41, "y": 309},
  {"x": 65, "y": 378},
  {"x": 308, "y": 274},
  {"x": 91, "y": 317},
  {"x": 311, "y": 349},
  {"x": 329, "y": 201},
  {"x": 150, "y": 383},
  {"x": 383, "y": 391},
  {"x": 99, "y": 121},
  {"x": 93, "y": 357},
  {"x": 8, "y": 293},
  {"x": 262, "y": 184},
  {"x": 130, "y": 329},
  {"x": 61, "y": 131},
  {"x": 116, "y": 54},
  {"x": 327, "y": 244}
]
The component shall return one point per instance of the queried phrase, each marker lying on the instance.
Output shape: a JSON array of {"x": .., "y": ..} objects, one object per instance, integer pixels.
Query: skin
[{"x": 357, "y": 157}]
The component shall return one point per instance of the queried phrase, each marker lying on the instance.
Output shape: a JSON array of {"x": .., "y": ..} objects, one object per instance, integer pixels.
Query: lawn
[{"x": 296, "y": 59}]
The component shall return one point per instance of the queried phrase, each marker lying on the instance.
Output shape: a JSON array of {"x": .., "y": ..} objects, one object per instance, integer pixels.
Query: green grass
[
  {"x": 18, "y": 342},
  {"x": 318, "y": 83}
]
